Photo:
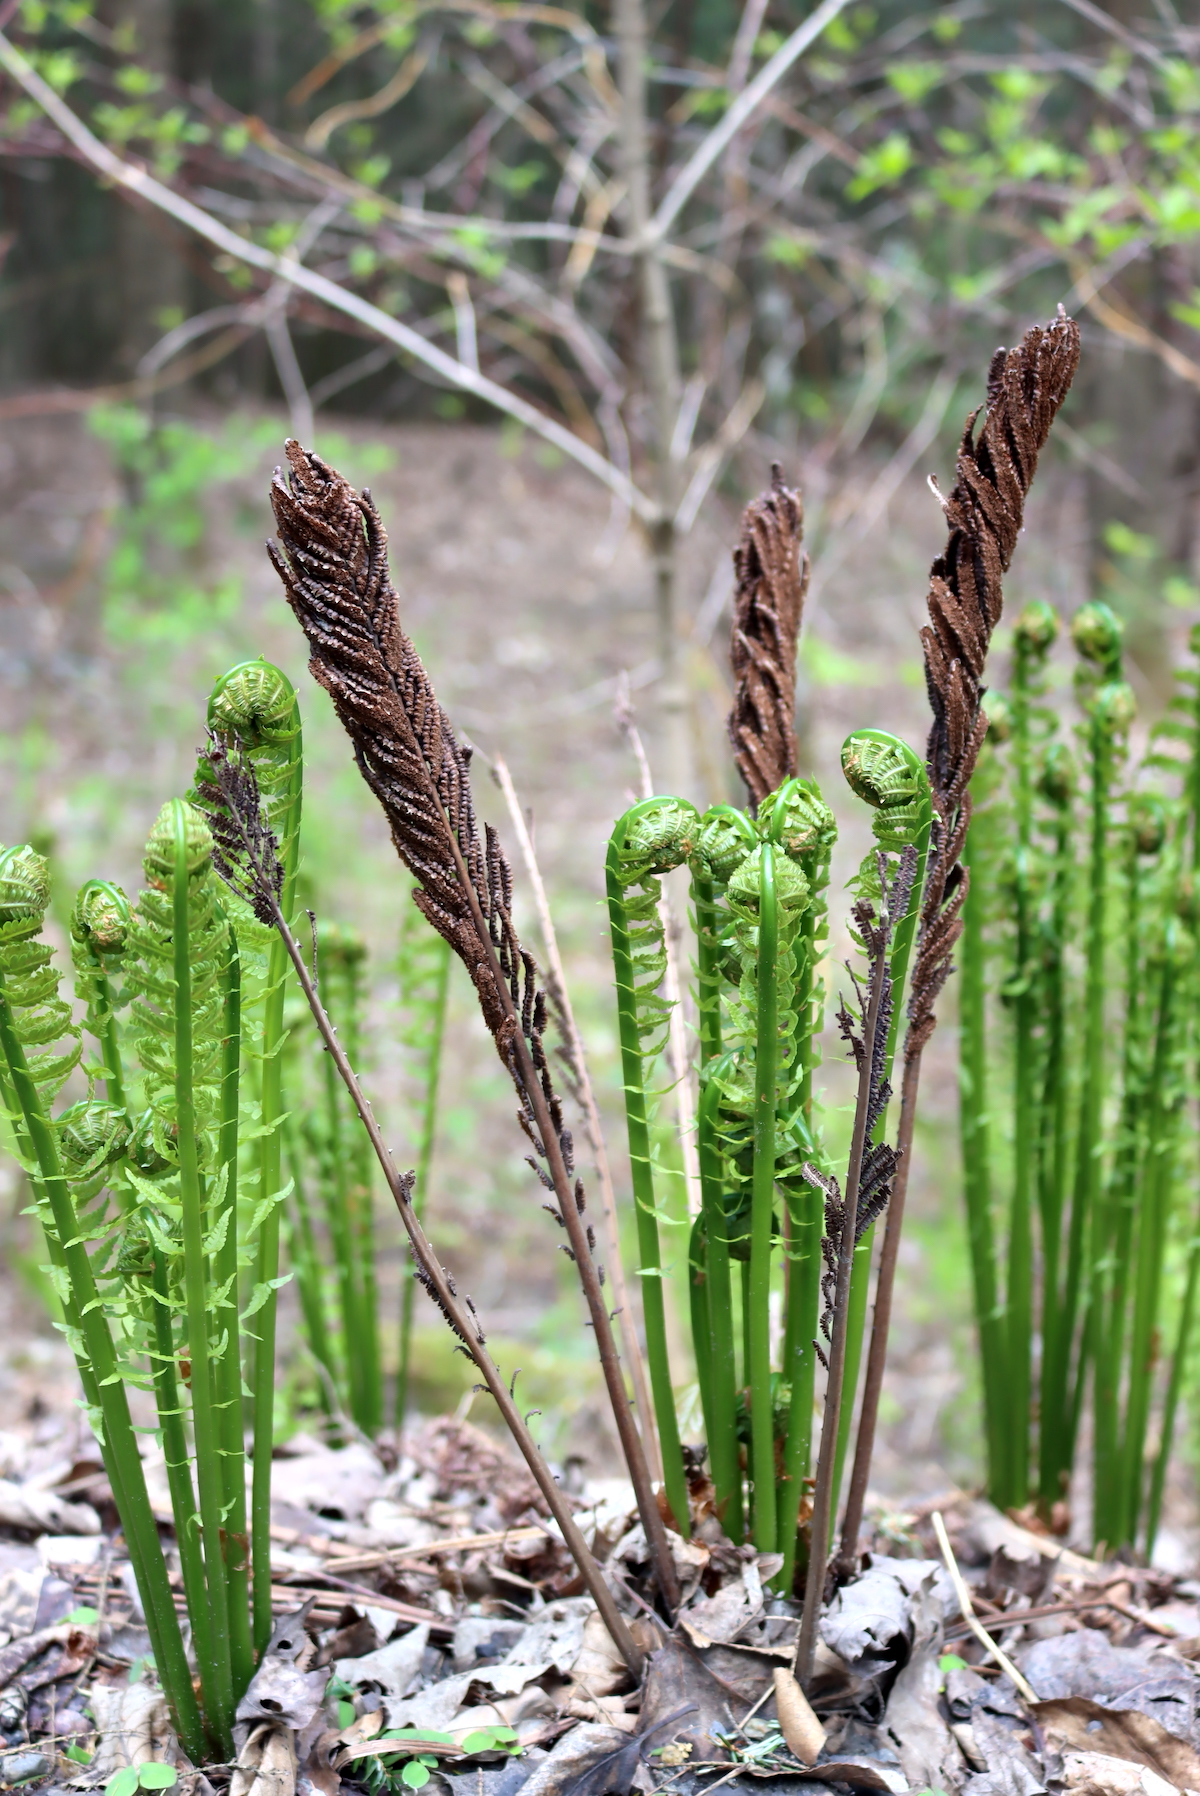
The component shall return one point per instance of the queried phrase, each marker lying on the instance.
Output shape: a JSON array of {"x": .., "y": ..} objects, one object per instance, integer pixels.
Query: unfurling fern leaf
[
  {"x": 31, "y": 980},
  {"x": 151, "y": 975}
]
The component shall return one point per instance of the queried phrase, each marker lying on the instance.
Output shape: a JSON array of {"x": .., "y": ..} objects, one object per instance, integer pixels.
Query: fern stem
[
  {"x": 720, "y": 1411},
  {"x": 642, "y": 1176},
  {"x": 304, "y": 1258},
  {"x": 1059, "y": 1411},
  {"x": 762, "y": 1209},
  {"x": 1054, "y": 1169},
  {"x": 1019, "y": 1284},
  {"x": 122, "y": 1460},
  {"x": 975, "y": 1133},
  {"x": 1166, "y": 1110},
  {"x": 1120, "y": 1218},
  {"x": 1179, "y": 1360},
  {"x": 168, "y": 1400},
  {"x": 231, "y": 1419},
  {"x": 197, "y": 1298}
]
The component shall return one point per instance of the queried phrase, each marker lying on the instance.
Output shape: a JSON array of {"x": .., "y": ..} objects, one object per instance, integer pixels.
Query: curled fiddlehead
[
  {"x": 151, "y": 962},
  {"x": 99, "y": 939},
  {"x": 41, "y": 1018}
]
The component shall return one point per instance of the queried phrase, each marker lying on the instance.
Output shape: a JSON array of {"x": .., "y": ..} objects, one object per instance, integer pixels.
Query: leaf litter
[{"x": 431, "y": 1631}]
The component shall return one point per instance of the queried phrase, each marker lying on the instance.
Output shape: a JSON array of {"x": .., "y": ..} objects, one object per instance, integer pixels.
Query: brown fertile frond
[
  {"x": 245, "y": 850},
  {"x": 332, "y": 559},
  {"x": 984, "y": 513},
  {"x": 772, "y": 579}
]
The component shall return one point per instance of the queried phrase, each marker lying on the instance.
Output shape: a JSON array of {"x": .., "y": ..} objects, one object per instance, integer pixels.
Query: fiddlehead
[
  {"x": 99, "y": 939},
  {"x": 41, "y": 1019},
  {"x": 152, "y": 952}
]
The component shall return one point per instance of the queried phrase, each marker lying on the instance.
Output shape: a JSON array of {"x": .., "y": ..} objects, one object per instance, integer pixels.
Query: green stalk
[
  {"x": 1112, "y": 1269},
  {"x": 1019, "y": 1293},
  {"x": 425, "y": 1147},
  {"x": 1179, "y": 1361},
  {"x": 715, "y": 1321},
  {"x": 762, "y": 1209},
  {"x": 228, "y": 1365},
  {"x": 177, "y": 1457},
  {"x": 1057, "y": 787},
  {"x": 334, "y": 1154},
  {"x": 197, "y": 1294},
  {"x": 1109, "y": 711},
  {"x": 975, "y": 1133},
  {"x": 255, "y": 705},
  {"x": 1162, "y": 1131},
  {"x": 630, "y": 1000},
  {"x": 303, "y": 1256},
  {"x": 806, "y": 1219},
  {"x": 369, "y": 1414},
  {"x": 122, "y": 1460}
]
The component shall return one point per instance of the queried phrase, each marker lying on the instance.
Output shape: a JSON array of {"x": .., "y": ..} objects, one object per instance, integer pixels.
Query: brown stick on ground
[
  {"x": 332, "y": 560},
  {"x": 984, "y": 512},
  {"x": 772, "y": 579}
]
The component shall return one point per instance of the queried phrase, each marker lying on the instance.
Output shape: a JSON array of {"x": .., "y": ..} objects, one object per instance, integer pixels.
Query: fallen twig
[{"x": 968, "y": 1612}]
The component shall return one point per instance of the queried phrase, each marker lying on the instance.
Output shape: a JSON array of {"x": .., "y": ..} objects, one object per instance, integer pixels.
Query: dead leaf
[
  {"x": 134, "y": 1728},
  {"x": 14, "y": 1658},
  {"x": 800, "y": 1728},
  {"x": 677, "y": 1679},
  {"x": 37, "y": 1511},
  {"x": 1098, "y": 1774},
  {"x": 393, "y": 1669},
  {"x": 266, "y": 1764},
  {"x": 598, "y": 1669},
  {"x": 1075, "y": 1722},
  {"x": 280, "y": 1691},
  {"x": 1086, "y": 1664},
  {"x": 570, "y": 1769}
]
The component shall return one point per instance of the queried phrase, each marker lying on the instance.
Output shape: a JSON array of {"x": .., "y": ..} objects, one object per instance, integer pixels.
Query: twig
[
  {"x": 135, "y": 180},
  {"x": 556, "y": 981},
  {"x": 968, "y": 1611},
  {"x": 747, "y": 103}
]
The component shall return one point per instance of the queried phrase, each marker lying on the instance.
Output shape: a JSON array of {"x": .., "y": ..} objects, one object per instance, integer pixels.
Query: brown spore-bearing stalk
[
  {"x": 984, "y": 512},
  {"x": 332, "y": 560},
  {"x": 772, "y": 580}
]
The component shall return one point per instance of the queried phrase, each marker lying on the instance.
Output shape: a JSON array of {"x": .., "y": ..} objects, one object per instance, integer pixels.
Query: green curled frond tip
[
  {"x": 159, "y": 859},
  {"x": 791, "y": 885},
  {"x": 659, "y": 833},
  {"x": 1036, "y": 629},
  {"x": 726, "y": 837},
  {"x": 101, "y": 917},
  {"x": 92, "y": 1134},
  {"x": 797, "y": 817},
  {"x": 1096, "y": 631},
  {"x": 24, "y": 888},
  {"x": 882, "y": 769},
  {"x": 256, "y": 702}
]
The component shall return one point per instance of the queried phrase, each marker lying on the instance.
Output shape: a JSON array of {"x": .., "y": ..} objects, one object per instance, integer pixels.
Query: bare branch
[{"x": 135, "y": 180}]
